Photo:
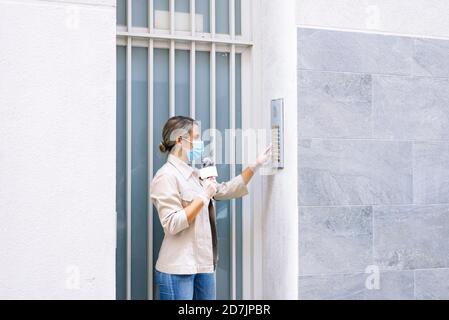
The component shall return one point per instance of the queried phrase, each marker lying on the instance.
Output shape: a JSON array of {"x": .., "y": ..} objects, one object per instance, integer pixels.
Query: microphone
[{"x": 208, "y": 170}]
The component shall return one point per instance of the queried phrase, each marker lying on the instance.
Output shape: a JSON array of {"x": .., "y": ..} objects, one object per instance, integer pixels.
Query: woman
[{"x": 187, "y": 261}]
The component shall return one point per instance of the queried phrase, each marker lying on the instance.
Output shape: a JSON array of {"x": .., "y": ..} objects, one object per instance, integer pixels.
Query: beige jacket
[{"x": 188, "y": 249}]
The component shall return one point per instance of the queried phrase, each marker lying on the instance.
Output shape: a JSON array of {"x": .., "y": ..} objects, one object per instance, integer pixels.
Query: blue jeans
[{"x": 200, "y": 286}]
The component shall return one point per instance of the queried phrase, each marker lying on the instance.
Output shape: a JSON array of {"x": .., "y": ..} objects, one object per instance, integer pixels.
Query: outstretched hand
[
  {"x": 265, "y": 156},
  {"x": 262, "y": 159}
]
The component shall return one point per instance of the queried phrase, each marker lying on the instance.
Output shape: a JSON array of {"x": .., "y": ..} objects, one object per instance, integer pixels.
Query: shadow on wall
[{"x": 373, "y": 161}]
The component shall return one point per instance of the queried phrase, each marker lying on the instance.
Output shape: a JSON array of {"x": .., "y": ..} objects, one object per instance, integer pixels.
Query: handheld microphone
[{"x": 208, "y": 170}]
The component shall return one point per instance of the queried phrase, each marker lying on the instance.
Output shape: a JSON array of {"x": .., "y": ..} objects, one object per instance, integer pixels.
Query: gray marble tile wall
[{"x": 373, "y": 159}]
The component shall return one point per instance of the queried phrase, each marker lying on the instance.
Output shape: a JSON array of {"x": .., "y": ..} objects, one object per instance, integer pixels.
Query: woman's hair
[{"x": 173, "y": 128}]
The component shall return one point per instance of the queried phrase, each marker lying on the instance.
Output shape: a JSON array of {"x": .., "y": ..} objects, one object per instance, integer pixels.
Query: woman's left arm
[
  {"x": 247, "y": 174},
  {"x": 237, "y": 187}
]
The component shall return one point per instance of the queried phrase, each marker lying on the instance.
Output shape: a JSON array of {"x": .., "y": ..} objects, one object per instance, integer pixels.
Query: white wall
[
  {"x": 57, "y": 149},
  {"x": 407, "y": 17},
  {"x": 276, "y": 209}
]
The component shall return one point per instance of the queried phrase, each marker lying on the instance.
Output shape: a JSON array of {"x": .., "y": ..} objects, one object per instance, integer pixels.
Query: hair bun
[{"x": 162, "y": 147}]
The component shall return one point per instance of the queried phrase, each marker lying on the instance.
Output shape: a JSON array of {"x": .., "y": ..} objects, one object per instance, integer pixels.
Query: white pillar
[{"x": 276, "y": 215}]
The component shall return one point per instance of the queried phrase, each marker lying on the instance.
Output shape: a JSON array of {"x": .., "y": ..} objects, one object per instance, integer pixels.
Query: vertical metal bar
[
  {"x": 192, "y": 60},
  {"x": 192, "y": 78},
  {"x": 172, "y": 16},
  {"x": 233, "y": 169},
  {"x": 232, "y": 18},
  {"x": 128, "y": 167},
  {"x": 247, "y": 202},
  {"x": 150, "y": 16},
  {"x": 232, "y": 151},
  {"x": 212, "y": 18},
  {"x": 171, "y": 80},
  {"x": 213, "y": 123},
  {"x": 248, "y": 97},
  {"x": 192, "y": 17},
  {"x": 150, "y": 294},
  {"x": 129, "y": 15},
  {"x": 150, "y": 170}
]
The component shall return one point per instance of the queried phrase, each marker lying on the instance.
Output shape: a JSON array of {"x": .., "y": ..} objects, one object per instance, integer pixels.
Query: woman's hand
[
  {"x": 203, "y": 199},
  {"x": 209, "y": 190},
  {"x": 262, "y": 159}
]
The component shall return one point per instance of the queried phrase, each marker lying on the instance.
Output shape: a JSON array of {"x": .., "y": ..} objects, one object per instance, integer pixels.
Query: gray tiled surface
[
  {"x": 431, "y": 58},
  {"x": 354, "y": 52},
  {"x": 432, "y": 284},
  {"x": 329, "y": 101},
  {"x": 392, "y": 286},
  {"x": 354, "y": 172},
  {"x": 410, "y": 108},
  {"x": 431, "y": 172},
  {"x": 373, "y": 160},
  {"x": 411, "y": 237},
  {"x": 335, "y": 239}
]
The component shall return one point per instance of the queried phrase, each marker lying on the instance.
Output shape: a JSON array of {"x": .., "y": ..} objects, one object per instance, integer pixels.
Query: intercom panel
[{"x": 277, "y": 133}]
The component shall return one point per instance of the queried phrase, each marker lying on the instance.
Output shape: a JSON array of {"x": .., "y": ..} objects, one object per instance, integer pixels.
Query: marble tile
[
  {"x": 330, "y": 50},
  {"x": 431, "y": 172},
  {"x": 431, "y": 58},
  {"x": 410, "y": 108},
  {"x": 432, "y": 284},
  {"x": 396, "y": 285},
  {"x": 354, "y": 172},
  {"x": 373, "y": 122},
  {"x": 334, "y": 239},
  {"x": 334, "y": 104},
  {"x": 411, "y": 237}
]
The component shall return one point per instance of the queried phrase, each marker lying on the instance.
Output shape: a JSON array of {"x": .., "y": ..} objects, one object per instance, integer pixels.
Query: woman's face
[{"x": 194, "y": 135}]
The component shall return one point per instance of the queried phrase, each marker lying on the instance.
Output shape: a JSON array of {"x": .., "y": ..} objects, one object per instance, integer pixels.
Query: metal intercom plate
[{"x": 277, "y": 133}]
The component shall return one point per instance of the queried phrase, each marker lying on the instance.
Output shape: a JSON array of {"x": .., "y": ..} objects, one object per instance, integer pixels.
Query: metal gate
[{"x": 170, "y": 64}]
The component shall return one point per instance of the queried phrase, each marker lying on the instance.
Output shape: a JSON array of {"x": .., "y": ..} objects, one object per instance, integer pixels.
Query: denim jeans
[{"x": 200, "y": 286}]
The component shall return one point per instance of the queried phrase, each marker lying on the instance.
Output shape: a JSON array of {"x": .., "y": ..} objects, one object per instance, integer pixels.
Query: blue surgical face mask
[{"x": 197, "y": 150}]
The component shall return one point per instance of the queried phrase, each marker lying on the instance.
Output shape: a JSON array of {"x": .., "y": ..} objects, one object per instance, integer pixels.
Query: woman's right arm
[
  {"x": 167, "y": 200},
  {"x": 193, "y": 209}
]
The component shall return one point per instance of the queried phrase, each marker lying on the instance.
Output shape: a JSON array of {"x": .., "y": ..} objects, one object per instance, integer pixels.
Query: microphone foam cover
[{"x": 208, "y": 172}]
